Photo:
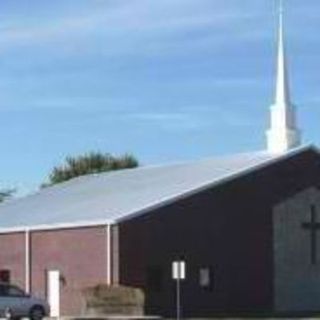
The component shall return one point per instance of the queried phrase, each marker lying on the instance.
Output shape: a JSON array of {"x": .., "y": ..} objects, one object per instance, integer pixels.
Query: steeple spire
[
  {"x": 283, "y": 133},
  {"x": 282, "y": 89}
]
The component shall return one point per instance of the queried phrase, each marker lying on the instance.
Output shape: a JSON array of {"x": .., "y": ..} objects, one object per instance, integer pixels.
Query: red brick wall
[
  {"x": 80, "y": 256},
  {"x": 12, "y": 256}
]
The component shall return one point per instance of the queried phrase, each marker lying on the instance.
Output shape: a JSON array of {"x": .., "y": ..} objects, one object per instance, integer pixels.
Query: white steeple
[{"x": 283, "y": 133}]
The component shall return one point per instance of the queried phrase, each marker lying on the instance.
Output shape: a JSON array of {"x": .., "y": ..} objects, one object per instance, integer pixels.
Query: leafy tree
[
  {"x": 6, "y": 193},
  {"x": 93, "y": 162}
]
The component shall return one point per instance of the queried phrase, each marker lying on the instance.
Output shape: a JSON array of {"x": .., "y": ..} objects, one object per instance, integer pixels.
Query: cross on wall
[{"x": 313, "y": 226}]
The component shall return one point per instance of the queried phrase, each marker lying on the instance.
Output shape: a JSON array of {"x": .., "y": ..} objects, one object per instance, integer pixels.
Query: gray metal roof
[{"x": 113, "y": 196}]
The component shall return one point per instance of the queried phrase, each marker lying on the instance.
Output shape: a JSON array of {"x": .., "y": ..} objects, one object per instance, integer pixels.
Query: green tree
[
  {"x": 6, "y": 194},
  {"x": 93, "y": 162}
]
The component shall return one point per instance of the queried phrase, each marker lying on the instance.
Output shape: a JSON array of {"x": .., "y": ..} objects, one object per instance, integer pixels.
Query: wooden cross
[{"x": 313, "y": 227}]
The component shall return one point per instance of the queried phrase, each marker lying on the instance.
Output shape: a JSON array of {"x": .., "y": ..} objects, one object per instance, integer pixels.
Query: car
[{"x": 15, "y": 303}]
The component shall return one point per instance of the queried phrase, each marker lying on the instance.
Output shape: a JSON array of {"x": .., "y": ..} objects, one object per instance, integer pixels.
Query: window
[
  {"x": 3, "y": 290},
  {"x": 154, "y": 278},
  {"x": 5, "y": 276},
  {"x": 11, "y": 291},
  {"x": 15, "y": 292},
  {"x": 206, "y": 278}
]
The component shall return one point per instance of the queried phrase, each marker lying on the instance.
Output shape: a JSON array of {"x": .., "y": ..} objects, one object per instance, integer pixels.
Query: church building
[{"x": 246, "y": 226}]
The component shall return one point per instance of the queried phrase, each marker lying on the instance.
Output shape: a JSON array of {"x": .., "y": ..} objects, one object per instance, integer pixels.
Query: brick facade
[
  {"x": 79, "y": 254},
  {"x": 12, "y": 256}
]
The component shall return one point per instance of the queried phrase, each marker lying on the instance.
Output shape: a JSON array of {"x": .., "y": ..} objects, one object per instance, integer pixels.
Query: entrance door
[{"x": 53, "y": 293}]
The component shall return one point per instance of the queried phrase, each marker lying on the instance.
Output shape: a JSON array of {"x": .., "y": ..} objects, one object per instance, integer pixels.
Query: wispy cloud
[
  {"x": 131, "y": 26},
  {"x": 169, "y": 121},
  {"x": 194, "y": 118}
]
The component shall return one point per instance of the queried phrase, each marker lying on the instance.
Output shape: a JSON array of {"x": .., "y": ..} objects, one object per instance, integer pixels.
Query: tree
[
  {"x": 6, "y": 193},
  {"x": 93, "y": 162}
]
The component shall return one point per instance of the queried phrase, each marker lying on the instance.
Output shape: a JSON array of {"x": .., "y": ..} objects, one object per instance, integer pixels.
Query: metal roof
[{"x": 110, "y": 197}]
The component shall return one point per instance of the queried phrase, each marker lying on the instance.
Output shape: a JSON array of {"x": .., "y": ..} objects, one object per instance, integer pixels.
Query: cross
[{"x": 313, "y": 227}]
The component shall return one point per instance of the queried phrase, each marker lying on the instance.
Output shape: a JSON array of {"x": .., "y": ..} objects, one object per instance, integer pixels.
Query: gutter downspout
[
  {"x": 27, "y": 260},
  {"x": 109, "y": 280}
]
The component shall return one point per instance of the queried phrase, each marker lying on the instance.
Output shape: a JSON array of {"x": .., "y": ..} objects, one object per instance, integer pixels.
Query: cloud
[
  {"x": 171, "y": 121},
  {"x": 129, "y": 26},
  {"x": 195, "y": 118}
]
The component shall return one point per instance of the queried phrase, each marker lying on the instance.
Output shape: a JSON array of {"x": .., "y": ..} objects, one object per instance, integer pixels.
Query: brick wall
[
  {"x": 12, "y": 256},
  {"x": 79, "y": 254}
]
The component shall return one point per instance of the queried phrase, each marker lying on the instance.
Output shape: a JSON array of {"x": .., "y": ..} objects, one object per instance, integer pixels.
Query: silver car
[{"x": 15, "y": 304}]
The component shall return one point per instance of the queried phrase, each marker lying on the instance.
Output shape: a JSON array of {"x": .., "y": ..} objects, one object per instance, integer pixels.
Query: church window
[
  {"x": 5, "y": 276},
  {"x": 155, "y": 278},
  {"x": 205, "y": 278}
]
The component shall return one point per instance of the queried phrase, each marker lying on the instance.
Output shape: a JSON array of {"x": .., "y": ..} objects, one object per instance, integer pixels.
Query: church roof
[{"x": 118, "y": 195}]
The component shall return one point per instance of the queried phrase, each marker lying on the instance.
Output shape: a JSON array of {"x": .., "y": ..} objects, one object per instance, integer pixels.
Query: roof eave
[{"x": 57, "y": 226}]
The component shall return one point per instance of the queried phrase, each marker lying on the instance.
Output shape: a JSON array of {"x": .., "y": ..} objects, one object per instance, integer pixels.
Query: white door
[{"x": 53, "y": 286}]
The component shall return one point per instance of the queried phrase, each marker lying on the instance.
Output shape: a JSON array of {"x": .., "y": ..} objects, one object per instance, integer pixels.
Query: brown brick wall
[
  {"x": 12, "y": 256},
  {"x": 79, "y": 254}
]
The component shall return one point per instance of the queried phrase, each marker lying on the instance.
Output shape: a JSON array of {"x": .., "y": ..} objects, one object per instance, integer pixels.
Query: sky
[{"x": 165, "y": 80}]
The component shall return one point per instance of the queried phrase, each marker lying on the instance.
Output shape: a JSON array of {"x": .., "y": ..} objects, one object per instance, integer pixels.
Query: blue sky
[{"x": 167, "y": 80}]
